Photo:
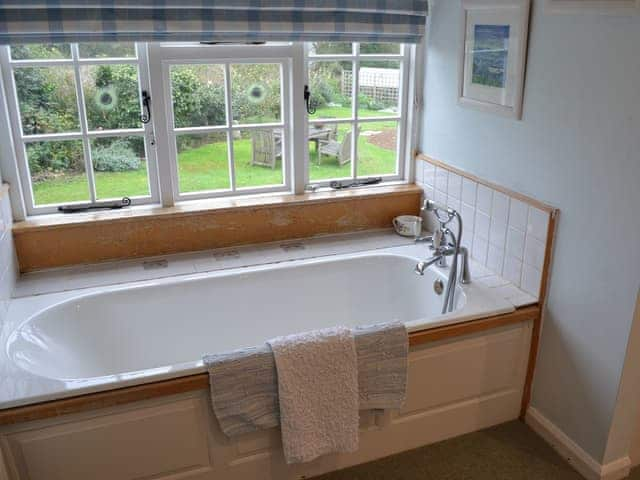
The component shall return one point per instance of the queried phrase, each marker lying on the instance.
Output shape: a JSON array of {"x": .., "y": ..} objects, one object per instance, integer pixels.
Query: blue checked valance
[{"x": 50, "y": 21}]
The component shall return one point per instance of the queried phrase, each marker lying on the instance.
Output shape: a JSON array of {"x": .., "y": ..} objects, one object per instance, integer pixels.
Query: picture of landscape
[{"x": 491, "y": 47}]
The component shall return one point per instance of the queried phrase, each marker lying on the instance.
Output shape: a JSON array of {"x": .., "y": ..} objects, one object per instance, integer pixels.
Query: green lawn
[{"x": 206, "y": 167}]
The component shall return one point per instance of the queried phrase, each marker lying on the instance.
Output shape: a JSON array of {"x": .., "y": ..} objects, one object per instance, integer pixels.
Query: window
[
  {"x": 77, "y": 123},
  {"x": 358, "y": 92},
  {"x": 226, "y": 120}
]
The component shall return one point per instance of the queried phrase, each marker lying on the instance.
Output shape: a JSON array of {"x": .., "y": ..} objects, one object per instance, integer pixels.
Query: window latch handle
[
  {"x": 307, "y": 100},
  {"x": 146, "y": 107}
]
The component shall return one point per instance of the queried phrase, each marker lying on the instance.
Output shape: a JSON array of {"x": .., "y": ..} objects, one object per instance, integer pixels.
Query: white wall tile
[
  {"x": 493, "y": 281},
  {"x": 538, "y": 223},
  {"x": 498, "y": 233},
  {"x": 512, "y": 270},
  {"x": 469, "y": 191},
  {"x": 531, "y": 278},
  {"x": 508, "y": 291},
  {"x": 429, "y": 192},
  {"x": 454, "y": 185},
  {"x": 420, "y": 164},
  {"x": 518, "y": 213},
  {"x": 479, "y": 249},
  {"x": 468, "y": 215},
  {"x": 484, "y": 199},
  {"x": 504, "y": 235},
  {"x": 442, "y": 178},
  {"x": 6, "y": 251},
  {"x": 534, "y": 252},
  {"x": 453, "y": 202},
  {"x": 429, "y": 174},
  {"x": 495, "y": 258},
  {"x": 8, "y": 262},
  {"x": 500, "y": 207},
  {"x": 483, "y": 222},
  {"x": 515, "y": 243}
]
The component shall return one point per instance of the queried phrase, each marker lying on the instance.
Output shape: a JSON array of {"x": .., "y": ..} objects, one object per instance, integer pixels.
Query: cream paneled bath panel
[
  {"x": 168, "y": 441},
  {"x": 455, "y": 386}
]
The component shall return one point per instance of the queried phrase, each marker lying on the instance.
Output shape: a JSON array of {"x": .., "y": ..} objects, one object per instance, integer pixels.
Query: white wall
[{"x": 577, "y": 148}]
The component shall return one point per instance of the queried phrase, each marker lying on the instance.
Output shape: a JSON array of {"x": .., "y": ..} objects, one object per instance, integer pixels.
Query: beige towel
[{"x": 318, "y": 392}]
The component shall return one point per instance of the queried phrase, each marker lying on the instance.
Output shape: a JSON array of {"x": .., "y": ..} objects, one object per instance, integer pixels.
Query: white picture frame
[
  {"x": 606, "y": 7},
  {"x": 493, "y": 52}
]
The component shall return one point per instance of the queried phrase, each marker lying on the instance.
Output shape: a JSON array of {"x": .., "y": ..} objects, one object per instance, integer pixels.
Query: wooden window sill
[
  {"x": 147, "y": 231},
  {"x": 211, "y": 205}
]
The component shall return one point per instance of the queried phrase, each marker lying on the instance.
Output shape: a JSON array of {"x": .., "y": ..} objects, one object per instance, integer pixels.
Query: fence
[{"x": 379, "y": 84}]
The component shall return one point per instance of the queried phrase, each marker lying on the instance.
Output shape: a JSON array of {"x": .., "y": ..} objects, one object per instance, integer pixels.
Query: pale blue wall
[{"x": 577, "y": 148}]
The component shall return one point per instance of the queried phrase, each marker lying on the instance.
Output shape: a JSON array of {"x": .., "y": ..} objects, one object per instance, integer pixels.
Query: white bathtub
[{"x": 76, "y": 342}]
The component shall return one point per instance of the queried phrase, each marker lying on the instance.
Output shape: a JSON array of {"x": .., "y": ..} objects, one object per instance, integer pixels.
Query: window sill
[
  {"x": 211, "y": 205},
  {"x": 62, "y": 240}
]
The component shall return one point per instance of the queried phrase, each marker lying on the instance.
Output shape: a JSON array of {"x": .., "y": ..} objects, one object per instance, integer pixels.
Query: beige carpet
[{"x": 511, "y": 451}]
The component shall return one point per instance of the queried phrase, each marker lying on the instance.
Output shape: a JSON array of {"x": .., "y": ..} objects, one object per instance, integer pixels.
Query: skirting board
[{"x": 584, "y": 463}]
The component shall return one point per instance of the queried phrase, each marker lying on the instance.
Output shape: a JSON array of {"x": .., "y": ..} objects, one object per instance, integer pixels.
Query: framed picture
[
  {"x": 612, "y": 7},
  {"x": 493, "y": 55}
]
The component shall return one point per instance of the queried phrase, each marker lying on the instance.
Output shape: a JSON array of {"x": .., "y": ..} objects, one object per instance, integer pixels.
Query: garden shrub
[{"x": 115, "y": 157}]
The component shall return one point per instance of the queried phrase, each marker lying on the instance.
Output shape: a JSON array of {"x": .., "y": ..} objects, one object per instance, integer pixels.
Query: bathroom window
[
  {"x": 77, "y": 125},
  {"x": 358, "y": 100},
  {"x": 222, "y": 120}
]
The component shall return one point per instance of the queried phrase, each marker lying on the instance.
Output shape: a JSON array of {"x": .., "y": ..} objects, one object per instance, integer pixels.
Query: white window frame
[
  {"x": 163, "y": 56},
  {"x": 153, "y": 62},
  {"x": 85, "y": 135},
  {"x": 403, "y": 149}
]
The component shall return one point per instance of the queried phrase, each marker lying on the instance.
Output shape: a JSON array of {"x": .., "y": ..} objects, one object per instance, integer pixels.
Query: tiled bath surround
[
  {"x": 503, "y": 233},
  {"x": 8, "y": 262}
]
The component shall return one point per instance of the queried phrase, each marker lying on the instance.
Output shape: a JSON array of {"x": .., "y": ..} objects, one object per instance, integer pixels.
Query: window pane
[
  {"x": 329, "y": 151},
  {"x": 111, "y": 96},
  {"x": 47, "y": 99},
  {"x": 377, "y": 148},
  {"x": 120, "y": 167},
  {"x": 379, "y": 91},
  {"x": 255, "y": 90},
  {"x": 203, "y": 162},
  {"x": 107, "y": 50},
  {"x": 57, "y": 172},
  {"x": 198, "y": 95},
  {"x": 331, "y": 89},
  {"x": 380, "y": 48},
  {"x": 41, "y": 51},
  {"x": 258, "y": 156},
  {"x": 331, "y": 48}
]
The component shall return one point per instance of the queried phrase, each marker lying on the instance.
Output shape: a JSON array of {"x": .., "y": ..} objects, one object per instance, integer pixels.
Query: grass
[{"x": 206, "y": 168}]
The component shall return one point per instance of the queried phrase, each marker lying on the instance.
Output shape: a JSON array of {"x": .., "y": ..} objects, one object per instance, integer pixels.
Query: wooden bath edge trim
[{"x": 120, "y": 396}]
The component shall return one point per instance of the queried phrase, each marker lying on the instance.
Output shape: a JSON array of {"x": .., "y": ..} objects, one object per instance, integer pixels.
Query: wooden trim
[
  {"x": 110, "y": 398},
  {"x": 189, "y": 227},
  {"x": 537, "y": 325},
  {"x": 523, "y": 198},
  {"x": 474, "y": 326},
  {"x": 214, "y": 205},
  {"x": 4, "y": 189},
  {"x": 120, "y": 396}
]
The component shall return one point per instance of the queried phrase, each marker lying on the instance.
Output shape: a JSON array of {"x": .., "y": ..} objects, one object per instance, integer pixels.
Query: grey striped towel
[{"x": 244, "y": 383}]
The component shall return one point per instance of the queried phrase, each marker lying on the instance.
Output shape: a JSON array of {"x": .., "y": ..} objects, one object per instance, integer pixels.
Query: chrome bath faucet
[{"x": 445, "y": 243}]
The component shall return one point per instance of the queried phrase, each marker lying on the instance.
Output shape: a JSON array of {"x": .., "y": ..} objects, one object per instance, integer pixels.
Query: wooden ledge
[
  {"x": 120, "y": 396},
  {"x": 212, "y": 205},
  {"x": 75, "y": 239}
]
